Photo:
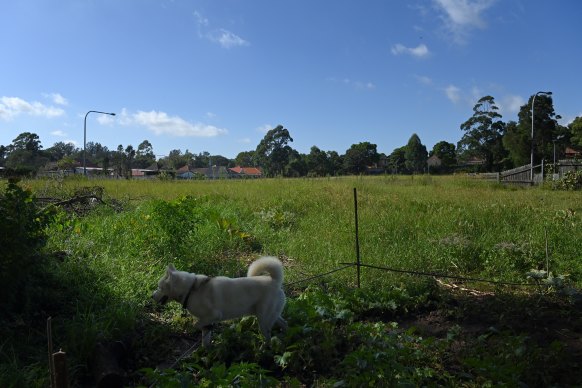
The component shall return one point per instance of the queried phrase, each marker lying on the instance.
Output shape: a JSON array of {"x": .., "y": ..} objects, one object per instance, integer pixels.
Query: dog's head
[{"x": 164, "y": 291}]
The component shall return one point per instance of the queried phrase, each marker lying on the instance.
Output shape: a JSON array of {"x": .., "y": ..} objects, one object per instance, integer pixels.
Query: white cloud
[
  {"x": 461, "y": 16},
  {"x": 364, "y": 85},
  {"x": 245, "y": 140},
  {"x": 419, "y": 51},
  {"x": 11, "y": 107},
  {"x": 423, "y": 80},
  {"x": 227, "y": 39},
  {"x": 223, "y": 37},
  {"x": 200, "y": 20},
  {"x": 361, "y": 85},
  {"x": 453, "y": 93},
  {"x": 58, "y": 133},
  {"x": 162, "y": 124},
  {"x": 105, "y": 119},
  {"x": 512, "y": 104},
  {"x": 57, "y": 98}
]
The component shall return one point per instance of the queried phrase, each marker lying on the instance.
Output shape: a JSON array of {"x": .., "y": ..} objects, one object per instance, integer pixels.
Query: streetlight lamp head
[{"x": 112, "y": 114}]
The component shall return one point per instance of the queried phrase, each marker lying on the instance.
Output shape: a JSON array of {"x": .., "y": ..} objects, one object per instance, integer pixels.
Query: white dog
[{"x": 215, "y": 299}]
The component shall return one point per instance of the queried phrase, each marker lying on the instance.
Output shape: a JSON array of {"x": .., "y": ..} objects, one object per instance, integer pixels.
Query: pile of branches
[{"x": 82, "y": 201}]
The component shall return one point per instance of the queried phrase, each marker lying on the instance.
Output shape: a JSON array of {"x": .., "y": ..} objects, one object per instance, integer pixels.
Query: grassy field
[{"x": 104, "y": 261}]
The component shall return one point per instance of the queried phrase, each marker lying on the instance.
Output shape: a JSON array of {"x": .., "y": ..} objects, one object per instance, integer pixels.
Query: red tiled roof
[{"x": 246, "y": 170}]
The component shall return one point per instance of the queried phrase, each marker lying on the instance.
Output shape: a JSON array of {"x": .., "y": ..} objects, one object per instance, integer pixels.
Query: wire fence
[{"x": 359, "y": 265}]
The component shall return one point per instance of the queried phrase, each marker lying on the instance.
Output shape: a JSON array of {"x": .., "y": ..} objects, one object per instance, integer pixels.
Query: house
[
  {"x": 145, "y": 173},
  {"x": 434, "y": 161},
  {"x": 246, "y": 172},
  {"x": 572, "y": 153},
  {"x": 214, "y": 172}
]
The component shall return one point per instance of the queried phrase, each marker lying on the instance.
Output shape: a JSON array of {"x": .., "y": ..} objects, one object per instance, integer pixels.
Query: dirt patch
[{"x": 543, "y": 322}]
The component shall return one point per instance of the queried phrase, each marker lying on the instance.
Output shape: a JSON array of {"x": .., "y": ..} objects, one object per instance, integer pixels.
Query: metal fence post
[{"x": 357, "y": 240}]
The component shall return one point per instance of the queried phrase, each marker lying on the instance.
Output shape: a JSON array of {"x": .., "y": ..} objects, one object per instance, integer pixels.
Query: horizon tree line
[{"x": 485, "y": 137}]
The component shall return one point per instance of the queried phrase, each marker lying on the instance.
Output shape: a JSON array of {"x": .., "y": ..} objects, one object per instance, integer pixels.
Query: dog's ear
[{"x": 170, "y": 269}]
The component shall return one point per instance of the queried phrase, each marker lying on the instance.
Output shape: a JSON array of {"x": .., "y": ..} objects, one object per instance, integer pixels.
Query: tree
[
  {"x": 415, "y": 155},
  {"x": 3, "y": 154},
  {"x": 118, "y": 160},
  {"x": 26, "y": 141},
  {"x": 97, "y": 154},
  {"x": 483, "y": 134},
  {"x": 518, "y": 141},
  {"x": 245, "y": 159},
  {"x": 129, "y": 156},
  {"x": 575, "y": 128},
  {"x": 144, "y": 156},
  {"x": 397, "y": 161},
  {"x": 359, "y": 156},
  {"x": 60, "y": 149},
  {"x": 273, "y": 153},
  {"x": 336, "y": 163},
  {"x": 446, "y": 153},
  {"x": 24, "y": 154},
  {"x": 297, "y": 165},
  {"x": 317, "y": 162}
]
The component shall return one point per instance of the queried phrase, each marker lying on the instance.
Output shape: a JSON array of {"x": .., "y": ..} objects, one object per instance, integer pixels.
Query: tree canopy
[
  {"x": 483, "y": 134},
  {"x": 273, "y": 152}
]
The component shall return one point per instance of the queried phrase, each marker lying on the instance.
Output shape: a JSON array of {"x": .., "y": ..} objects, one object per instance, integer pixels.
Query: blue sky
[{"x": 214, "y": 75}]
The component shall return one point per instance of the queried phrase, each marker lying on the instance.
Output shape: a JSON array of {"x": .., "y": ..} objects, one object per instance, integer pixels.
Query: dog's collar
[{"x": 195, "y": 284}]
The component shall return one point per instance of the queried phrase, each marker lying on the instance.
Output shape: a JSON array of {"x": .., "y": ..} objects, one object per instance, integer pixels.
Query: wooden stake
[
  {"x": 49, "y": 334},
  {"x": 60, "y": 365}
]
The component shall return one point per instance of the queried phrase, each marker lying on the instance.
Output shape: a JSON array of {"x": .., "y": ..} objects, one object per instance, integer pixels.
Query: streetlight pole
[
  {"x": 531, "y": 173},
  {"x": 85, "y": 138}
]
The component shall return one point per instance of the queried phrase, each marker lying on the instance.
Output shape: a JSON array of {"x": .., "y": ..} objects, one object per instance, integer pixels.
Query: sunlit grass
[{"x": 112, "y": 258}]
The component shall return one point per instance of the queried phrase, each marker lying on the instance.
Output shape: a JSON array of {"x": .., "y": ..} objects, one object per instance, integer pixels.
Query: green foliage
[
  {"x": 575, "y": 128},
  {"x": 415, "y": 154},
  {"x": 572, "y": 180},
  {"x": 22, "y": 237},
  {"x": 273, "y": 153},
  {"x": 359, "y": 156},
  {"x": 110, "y": 261},
  {"x": 483, "y": 134}
]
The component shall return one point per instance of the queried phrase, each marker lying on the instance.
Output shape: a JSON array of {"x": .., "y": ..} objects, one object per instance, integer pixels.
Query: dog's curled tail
[{"x": 270, "y": 265}]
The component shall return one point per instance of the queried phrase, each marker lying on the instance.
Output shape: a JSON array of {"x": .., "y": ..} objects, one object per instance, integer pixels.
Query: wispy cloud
[
  {"x": 57, "y": 98},
  {"x": 511, "y": 103},
  {"x": 227, "y": 39},
  {"x": 223, "y": 37},
  {"x": 460, "y": 17},
  {"x": 420, "y": 51},
  {"x": 58, "y": 133},
  {"x": 424, "y": 80},
  {"x": 453, "y": 93},
  {"x": 11, "y": 107},
  {"x": 161, "y": 123},
  {"x": 360, "y": 85}
]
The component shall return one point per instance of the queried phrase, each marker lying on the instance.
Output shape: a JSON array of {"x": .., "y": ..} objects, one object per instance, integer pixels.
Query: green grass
[{"x": 111, "y": 261}]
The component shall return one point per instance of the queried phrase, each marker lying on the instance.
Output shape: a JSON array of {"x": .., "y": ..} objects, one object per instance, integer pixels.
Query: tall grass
[
  {"x": 445, "y": 224},
  {"x": 113, "y": 259}
]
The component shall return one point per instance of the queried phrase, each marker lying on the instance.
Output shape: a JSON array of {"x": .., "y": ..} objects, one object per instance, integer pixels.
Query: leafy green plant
[
  {"x": 22, "y": 236},
  {"x": 572, "y": 180}
]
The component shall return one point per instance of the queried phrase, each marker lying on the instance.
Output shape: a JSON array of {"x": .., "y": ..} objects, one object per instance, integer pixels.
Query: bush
[
  {"x": 572, "y": 180},
  {"x": 22, "y": 236}
]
